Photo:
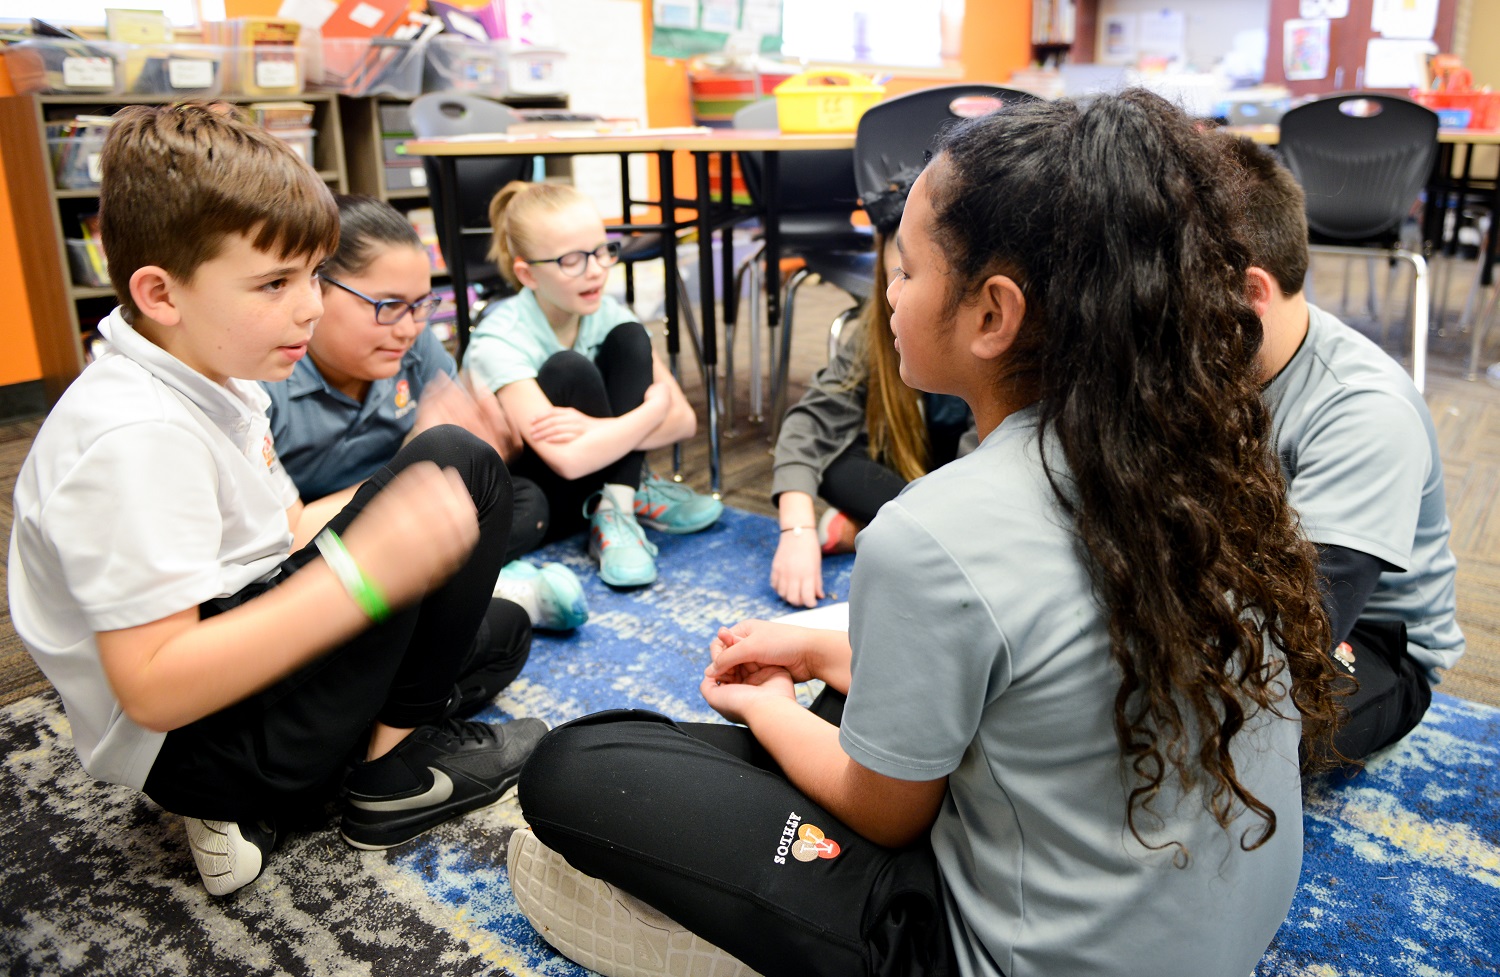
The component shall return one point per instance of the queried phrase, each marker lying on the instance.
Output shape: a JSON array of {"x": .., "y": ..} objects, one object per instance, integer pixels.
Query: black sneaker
[{"x": 432, "y": 776}]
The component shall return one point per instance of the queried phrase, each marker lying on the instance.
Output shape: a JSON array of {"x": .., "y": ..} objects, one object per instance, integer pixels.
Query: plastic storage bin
[
  {"x": 174, "y": 69},
  {"x": 266, "y": 69},
  {"x": 87, "y": 262},
  {"x": 457, "y": 64},
  {"x": 301, "y": 141},
  {"x": 362, "y": 66},
  {"x": 824, "y": 101},
  {"x": 66, "y": 67},
  {"x": 534, "y": 71},
  {"x": 75, "y": 155},
  {"x": 1483, "y": 108}
]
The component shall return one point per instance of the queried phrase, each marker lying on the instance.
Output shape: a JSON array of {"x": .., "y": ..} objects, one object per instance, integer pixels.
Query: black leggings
[
  {"x": 858, "y": 486},
  {"x": 1390, "y": 693},
  {"x": 698, "y": 821},
  {"x": 284, "y": 749},
  {"x": 611, "y": 384}
]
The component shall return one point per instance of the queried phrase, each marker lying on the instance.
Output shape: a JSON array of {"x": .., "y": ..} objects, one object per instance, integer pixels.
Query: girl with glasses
[
  {"x": 575, "y": 372},
  {"x": 375, "y": 376}
]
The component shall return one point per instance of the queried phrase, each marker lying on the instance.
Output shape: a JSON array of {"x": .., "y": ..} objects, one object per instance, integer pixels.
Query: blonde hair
[
  {"x": 893, "y": 415},
  {"x": 514, "y": 212}
]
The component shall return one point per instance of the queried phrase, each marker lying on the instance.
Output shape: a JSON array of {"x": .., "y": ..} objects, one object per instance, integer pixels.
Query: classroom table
[{"x": 712, "y": 212}]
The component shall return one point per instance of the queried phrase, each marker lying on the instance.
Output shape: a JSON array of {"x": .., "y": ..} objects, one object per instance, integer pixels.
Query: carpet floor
[{"x": 1401, "y": 874}]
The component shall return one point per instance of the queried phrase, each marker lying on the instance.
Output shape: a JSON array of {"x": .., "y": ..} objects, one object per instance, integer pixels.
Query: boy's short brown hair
[
  {"x": 179, "y": 179},
  {"x": 1276, "y": 213}
]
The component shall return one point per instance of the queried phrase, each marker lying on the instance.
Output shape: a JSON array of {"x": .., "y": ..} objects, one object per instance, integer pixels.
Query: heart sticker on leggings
[{"x": 811, "y": 843}]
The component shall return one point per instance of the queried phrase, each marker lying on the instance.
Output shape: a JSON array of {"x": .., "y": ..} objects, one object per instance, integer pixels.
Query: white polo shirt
[{"x": 149, "y": 490}]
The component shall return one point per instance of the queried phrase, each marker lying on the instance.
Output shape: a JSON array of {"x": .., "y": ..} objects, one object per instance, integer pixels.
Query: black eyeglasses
[
  {"x": 574, "y": 262},
  {"x": 388, "y": 312}
]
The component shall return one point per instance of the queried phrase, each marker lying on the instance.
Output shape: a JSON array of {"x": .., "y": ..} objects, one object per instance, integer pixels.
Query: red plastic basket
[{"x": 1483, "y": 107}]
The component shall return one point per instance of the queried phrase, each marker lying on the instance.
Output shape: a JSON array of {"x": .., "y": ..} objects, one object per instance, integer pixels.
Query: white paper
[
  {"x": 308, "y": 13},
  {"x": 1163, "y": 34},
  {"x": 366, "y": 15},
  {"x": 1304, "y": 49},
  {"x": 1397, "y": 63},
  {"x": 531, "y": 22},
  {"x": 832, "y": 617},
  {"x": 1415, "y": 19},
  {"x": 605, "y": 46},
  {"x": 1323, "y": 9}
]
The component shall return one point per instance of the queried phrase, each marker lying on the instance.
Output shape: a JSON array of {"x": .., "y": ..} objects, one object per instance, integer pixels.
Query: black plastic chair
[
  {"x": 1362, "y": 160},
  {"x": 457, "y": 114},
  {"x": 816, "y": 198},
  {"x": 895, "y": 136}
]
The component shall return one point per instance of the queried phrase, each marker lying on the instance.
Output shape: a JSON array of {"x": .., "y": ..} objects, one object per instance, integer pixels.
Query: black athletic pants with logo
[
  {"x": 697, "y": 820},
  {"x": 283, "y": 751},
  {"x": 1389, "y": 690}
]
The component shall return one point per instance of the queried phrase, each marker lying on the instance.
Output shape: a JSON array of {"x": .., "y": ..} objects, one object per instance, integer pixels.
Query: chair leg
[
  {"x": 836, "y": 330},
  {"x": 1481, "y": 328},
  {"x": 1419, "y": 319},
  {"x": 783, "y": 364},
  {"x": 757, "y": 346}
]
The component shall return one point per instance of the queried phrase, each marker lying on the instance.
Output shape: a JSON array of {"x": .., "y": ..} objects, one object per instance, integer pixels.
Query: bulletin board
[{"x": 686, "y": 28}]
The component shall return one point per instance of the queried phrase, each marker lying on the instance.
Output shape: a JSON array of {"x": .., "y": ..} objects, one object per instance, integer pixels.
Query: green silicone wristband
[{"x": 360, "y": 587}]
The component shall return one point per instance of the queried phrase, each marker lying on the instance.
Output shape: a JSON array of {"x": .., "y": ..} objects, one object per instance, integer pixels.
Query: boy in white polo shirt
[{"x": 235, "y": 682}]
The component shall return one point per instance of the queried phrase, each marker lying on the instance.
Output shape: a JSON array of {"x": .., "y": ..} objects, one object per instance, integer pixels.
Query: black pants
[
  {"x": 697, "y": 820},
  {"x": 611, "y": 384},
  {"x": 1390, "y": 690},
  {"x": 285, "y": 749},
  {"x": 529, "y": 520},
  {"x": 858, "y": 486}
]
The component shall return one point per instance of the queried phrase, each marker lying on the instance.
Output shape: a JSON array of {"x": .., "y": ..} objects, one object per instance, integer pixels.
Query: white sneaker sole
[
  {"x": 224, "y": 858},
  {"x": 603, "y": 928}
]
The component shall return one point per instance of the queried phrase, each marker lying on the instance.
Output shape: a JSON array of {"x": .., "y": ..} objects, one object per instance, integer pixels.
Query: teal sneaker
[
  {"x": 671, "y": 507},
  {"x": 551, "y": 595},
  {"x": 619, "y": 544}
]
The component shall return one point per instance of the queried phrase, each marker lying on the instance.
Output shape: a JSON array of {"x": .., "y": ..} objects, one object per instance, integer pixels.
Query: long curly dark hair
[{"x": 1118, "y": 220}]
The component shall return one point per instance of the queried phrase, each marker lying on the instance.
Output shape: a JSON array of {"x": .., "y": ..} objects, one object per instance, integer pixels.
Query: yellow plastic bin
[{"x": 825, "y": 101}]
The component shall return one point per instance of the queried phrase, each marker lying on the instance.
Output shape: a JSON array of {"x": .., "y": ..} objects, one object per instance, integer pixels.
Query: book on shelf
[
  {"x": 137, "y": 26},
  {"x": 93, "y": 246},
  {"x": 422, "y": 221}
]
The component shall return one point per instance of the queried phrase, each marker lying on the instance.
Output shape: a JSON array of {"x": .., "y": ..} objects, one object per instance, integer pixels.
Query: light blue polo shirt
[
  {"x": 1360, "y": 455},
  {"x": 328, "y": 440},
  {"x": 513, "y": 338}
]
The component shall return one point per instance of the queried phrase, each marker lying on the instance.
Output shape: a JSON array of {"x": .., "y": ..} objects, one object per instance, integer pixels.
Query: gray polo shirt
[
  {"x": 1357, "y": 446},
  {"x": 328, "y": 440},
  {"x": 980, "y": 652}
]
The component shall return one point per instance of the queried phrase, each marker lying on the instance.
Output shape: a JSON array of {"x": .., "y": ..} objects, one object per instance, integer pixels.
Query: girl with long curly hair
[{"x": 1081, "y": 658}]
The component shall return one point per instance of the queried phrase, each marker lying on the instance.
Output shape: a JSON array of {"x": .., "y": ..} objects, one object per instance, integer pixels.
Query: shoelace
[{"x": 617, "y": 519}]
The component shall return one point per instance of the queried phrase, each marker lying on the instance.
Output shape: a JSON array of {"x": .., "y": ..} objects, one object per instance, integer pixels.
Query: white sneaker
[
  {"x": 551, "y": 596},
  {"x": 229, "y": 857},
  {"x": 603, "y": 928}
]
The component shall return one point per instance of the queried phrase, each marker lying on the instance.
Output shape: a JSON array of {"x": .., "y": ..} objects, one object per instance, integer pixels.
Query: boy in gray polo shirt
[{"x": 1360, "y": 456}]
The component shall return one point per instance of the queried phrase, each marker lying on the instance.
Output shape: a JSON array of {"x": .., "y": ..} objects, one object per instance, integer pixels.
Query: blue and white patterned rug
[{"x": 1401, "y": 875}]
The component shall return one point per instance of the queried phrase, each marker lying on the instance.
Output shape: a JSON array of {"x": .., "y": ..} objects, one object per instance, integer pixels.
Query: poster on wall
[
  {"x": 1415, "y": 19},
  {"x": 1305, "y": 49},
  {"x": 1118, "y": 46}
]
